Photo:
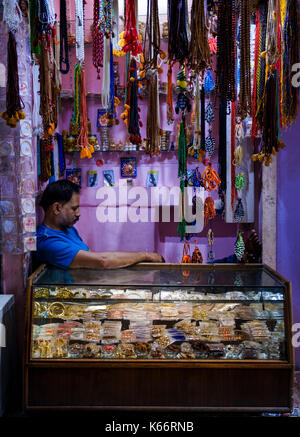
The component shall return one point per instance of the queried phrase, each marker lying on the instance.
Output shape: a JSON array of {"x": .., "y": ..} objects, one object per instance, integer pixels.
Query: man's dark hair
[{"x": 58, "y": 191}]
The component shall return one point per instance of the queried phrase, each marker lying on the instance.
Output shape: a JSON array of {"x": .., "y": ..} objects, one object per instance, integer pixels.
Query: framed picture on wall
[{"x": 128, "y": 167}]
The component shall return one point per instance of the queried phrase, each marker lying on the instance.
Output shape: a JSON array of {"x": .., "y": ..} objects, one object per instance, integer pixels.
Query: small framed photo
[
  {"x": 152, "y": 178},
  {"x": 108, "y": 178},
  {"x": 92, "y": 178},
  {"x": 128, "y": 167},
  {"x": 74, "y": 175}
]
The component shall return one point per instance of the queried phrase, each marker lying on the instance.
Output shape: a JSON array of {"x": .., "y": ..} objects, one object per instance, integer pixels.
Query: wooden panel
[{"x": 164, "y": 387}]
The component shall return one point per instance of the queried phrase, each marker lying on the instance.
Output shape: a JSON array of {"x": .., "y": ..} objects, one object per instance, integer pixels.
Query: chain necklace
[{"x": 64, "y": 45}]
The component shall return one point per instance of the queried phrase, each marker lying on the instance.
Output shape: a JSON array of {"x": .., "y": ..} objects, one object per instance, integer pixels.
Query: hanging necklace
[
  {"x": 64, "y": 44},
  {"x": 97, "y": 36},
  {"x": 79, "y": 31}
]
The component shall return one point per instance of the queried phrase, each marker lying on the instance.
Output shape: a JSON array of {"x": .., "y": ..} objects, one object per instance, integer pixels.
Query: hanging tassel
[
  {"x": 82, "y": 141},
  {"x": 153, "y": 128},
  {"x": 130, "y": 36},
  {"x": 14, "y": 104},
  {"x": 170, "y": 112},
  {"x": 75, "y": 122},
  {"x": 133, "y": 117},
  {"x": 182, "y": 167},
  {"x": 199, "y": 52},
  {"x": 239, "y": 247},
  {"x": 181, "y": 228},
  {"x": 177, "y": 29}
]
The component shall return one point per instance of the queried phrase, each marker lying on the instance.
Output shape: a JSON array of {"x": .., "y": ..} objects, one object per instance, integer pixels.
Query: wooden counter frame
[{"x": 237, "y": 379}]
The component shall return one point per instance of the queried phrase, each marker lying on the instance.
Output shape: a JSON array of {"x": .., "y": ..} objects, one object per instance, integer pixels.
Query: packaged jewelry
[
  {"x": 45, "y": 348},
  {"x": 29, "y": 224},
  {"x": 158, "y": 330},
  {"x": 75, "y": 350},
  {"x": 77, "y": 333},
  {"x": 142, "y": 349},
  {"x": 60, "y": 347},
  {"x": 187, "y": 351},
  {"x": 25, "y": 147},
  {"x": 28, "y": 205},
  {"x": 186, "y": 326},
  {"x": 172, "y": 351},
  {"x": 200, "y": 349},
  {"x": 215, "y": 350},
  {"x": 108, "y": 351},
  {"x": 128, "y": 336},
  {"x": 163, "y": 341},
  {"x": 30, "y": 244},
  {"x": 35, "y": 350},
  {"x": 156, "y": 352},
  {"x": 91, "y": 350},
  {"x": 125, "y": 351}
]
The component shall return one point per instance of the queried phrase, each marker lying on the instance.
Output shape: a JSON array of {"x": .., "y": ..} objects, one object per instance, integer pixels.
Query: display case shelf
[{"x": 152, "y": 323}]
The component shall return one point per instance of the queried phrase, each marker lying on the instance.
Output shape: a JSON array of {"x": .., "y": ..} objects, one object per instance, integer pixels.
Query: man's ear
[{"x": 56, "y": 208}]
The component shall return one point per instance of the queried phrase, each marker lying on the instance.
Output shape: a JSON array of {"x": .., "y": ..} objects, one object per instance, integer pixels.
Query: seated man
[{"x": 58, "y": 242}]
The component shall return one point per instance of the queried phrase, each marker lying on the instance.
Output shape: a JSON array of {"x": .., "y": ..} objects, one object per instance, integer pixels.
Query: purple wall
[{"x": 288, "y": 211}]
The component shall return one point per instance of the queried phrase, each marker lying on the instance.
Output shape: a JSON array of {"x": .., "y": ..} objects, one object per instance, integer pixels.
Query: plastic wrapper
[
  {"x": 75, "y": 350},
  {"x": 91, "y": 350},
  {"x": 142, "y": 349},
  {"x": 125, "y": 351}
]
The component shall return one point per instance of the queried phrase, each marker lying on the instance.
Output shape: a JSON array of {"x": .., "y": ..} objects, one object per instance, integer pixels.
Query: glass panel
[
  {"x": 216, "y": 276},
  {"x": 106, "y": 323}
]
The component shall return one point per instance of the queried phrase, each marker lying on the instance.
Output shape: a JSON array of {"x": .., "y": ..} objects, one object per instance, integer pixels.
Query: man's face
[{"x": 70, "y": 211}]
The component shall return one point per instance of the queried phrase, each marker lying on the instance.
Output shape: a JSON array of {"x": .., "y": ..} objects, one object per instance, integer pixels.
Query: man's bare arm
[{"x": 112, "y": 260}]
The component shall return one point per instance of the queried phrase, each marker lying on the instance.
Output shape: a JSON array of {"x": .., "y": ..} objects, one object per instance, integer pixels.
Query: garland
[
  {"x": 75, "y": 122},
  {"x": 199, "y": 52},
  {"x": 178, "y": 46}
]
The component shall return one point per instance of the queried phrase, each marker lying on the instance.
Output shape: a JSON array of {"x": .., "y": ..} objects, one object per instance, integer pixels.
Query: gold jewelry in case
[
  {"x": 81, "y": 294},
  {"x": 45, "y": 348},
  {"x": 36, "y": 309},
  {"x": 57, "y": 309},
  {"x": 63, "y": 293},
  {"x": 60, "y": 347},
  {"x": 41, "y": 293}
]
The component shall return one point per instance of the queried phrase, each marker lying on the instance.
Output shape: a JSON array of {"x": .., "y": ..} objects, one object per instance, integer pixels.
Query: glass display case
[{"x": 159, "y": 315}]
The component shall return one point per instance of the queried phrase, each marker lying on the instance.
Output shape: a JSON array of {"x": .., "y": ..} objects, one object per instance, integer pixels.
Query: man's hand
[{"x": 154, "y": 257}]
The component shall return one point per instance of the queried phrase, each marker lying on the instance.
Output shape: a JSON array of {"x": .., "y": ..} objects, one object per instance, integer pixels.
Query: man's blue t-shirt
[{"x": 58, "y": 248}]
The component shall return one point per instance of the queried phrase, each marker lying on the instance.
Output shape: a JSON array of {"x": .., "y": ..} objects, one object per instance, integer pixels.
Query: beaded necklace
[
  {"x": 245, "y": 75},
  {"x": 97, "y": 36}
]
